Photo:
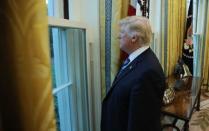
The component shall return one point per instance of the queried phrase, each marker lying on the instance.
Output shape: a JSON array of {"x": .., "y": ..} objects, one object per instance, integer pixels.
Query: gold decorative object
[{"x": 169, "y": 95}]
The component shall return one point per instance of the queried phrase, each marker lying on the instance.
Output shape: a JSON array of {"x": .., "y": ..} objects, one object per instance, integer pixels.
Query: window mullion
[{"x": 56, "y": 90}]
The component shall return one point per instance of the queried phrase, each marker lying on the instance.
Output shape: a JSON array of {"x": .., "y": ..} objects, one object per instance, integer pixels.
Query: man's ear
[{"x": 134, "y": 38}]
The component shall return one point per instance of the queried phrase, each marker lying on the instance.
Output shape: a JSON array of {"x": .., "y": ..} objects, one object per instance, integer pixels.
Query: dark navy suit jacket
[{"x": 133, "y": 103}]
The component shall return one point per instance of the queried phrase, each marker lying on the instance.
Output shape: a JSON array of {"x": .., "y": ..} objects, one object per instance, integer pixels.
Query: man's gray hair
[{"x": 138, "y": 26}]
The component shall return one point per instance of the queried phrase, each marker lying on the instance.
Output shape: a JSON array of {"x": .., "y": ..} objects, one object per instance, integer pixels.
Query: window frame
[
  {"x": 85, "y": 14},
  {"x": 63, "y": 23}
]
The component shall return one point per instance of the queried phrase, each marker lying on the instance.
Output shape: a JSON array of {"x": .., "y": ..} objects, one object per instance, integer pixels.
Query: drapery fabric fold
[
  {"x": 176, "y": 20},
  {"x": 25, "y": 73},
  {"x": 111, "y": 11}
]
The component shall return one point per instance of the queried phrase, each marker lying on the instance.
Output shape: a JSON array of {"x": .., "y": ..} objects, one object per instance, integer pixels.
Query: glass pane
[
  {"x": 55, "y": 8},
  {"x": 68, "y": 57},
  {"x": 77, "y": 42},
  {"x": 59, "y": 57},
  {"x": 63, "y": 110}
]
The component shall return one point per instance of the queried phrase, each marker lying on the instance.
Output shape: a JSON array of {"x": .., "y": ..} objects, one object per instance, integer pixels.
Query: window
[
  {"x": 69, "y": 69},
  {"x": 70, "y": 78}
]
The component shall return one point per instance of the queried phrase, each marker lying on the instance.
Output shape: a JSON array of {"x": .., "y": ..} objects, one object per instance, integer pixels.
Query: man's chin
[{"x": 122, "y": 49}]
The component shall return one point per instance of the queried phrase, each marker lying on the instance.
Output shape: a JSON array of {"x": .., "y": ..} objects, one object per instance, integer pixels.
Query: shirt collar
[{"x": 137, "y": 52}]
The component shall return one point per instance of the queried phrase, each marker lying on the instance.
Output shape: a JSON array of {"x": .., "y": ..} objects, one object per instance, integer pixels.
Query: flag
[
  {"x": 132, "y": 7},
  {"x": 139, "y": 8},
  {"x": 143, "y": 8},
  {"x": 187, "y": 51}
]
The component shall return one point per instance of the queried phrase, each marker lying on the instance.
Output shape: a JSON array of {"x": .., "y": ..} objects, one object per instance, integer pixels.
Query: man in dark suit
[{"x": 133, "y": 103}]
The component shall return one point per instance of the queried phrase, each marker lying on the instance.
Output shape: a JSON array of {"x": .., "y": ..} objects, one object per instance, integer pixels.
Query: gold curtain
[
  {"x": 119, "y": 10},
  {"x": 175, "y": 32},
  {"x": 102, "y": 39},
  {"x": 25, "y": 77},
  {"x": 206, "y": 54}
]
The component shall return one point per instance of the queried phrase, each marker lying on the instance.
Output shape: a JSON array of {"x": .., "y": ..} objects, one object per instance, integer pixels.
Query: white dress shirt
[{"x": 137, "y": 52}]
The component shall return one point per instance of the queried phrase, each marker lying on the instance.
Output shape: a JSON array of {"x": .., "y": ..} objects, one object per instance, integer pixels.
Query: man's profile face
[{"x": 124, "y": 39}]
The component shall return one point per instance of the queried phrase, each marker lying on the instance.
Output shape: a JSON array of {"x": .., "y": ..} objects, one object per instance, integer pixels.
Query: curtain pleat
[
  {"x": 176, "y": 20},
  {"x": 206, "y": 54},
  {"x": 25, "y": 74},
  {"x": 119, "y": 9}
]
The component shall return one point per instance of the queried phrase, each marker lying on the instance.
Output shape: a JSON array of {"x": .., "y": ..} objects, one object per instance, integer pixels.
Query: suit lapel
[{"x": 128, "y": 69}]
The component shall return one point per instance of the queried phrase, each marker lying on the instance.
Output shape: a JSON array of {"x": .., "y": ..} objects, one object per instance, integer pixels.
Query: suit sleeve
[{"x": 145, "y": 103}]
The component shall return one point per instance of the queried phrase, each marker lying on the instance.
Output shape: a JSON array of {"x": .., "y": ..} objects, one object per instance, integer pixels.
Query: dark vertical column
[
  {"x": 144, "y": 8},
  {"x": 66, "y": 9},
  {"x": 148, "y": 8},
  {"x": 108, "y": 19}
]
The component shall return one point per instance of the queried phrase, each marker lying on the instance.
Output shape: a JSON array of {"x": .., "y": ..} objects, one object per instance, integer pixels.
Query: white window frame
[
  {"x": 57, "y": 22},
  {"x": 85, "y": 14}
]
